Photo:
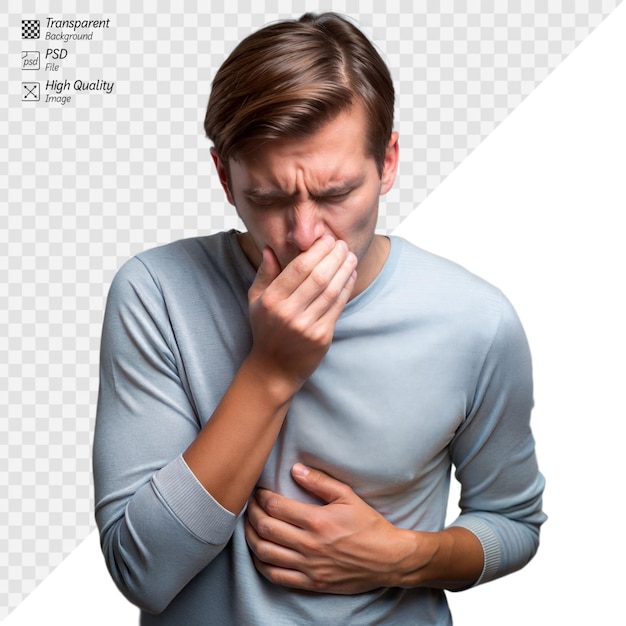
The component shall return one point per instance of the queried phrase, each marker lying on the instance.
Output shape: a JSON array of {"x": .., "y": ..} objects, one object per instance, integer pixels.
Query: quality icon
[{"x": 30, "y": 92}]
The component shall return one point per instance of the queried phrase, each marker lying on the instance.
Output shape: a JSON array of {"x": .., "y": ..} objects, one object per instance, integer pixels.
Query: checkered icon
[{"x": 30, "y": 29}]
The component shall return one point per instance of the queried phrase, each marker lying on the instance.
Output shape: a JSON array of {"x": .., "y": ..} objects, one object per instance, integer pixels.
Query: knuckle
[
  {"x": 271, "y": 505},
  {"x": 318, "y": 581},
  {"x": 298, "y": 323},
  {"x": 263, "y": 552},
  {"x": 320, "y": 335},
  {"x": 345, "y": 491},
  {"x": 331, "y": 293},
  {"x": 316, "y": 525},
  {"x": 315, "y": 550},
  {"x": 271, "y": 575},
  {"x": 276, "y": 576},
  {"x": 267, "y": 301},
  {"x": 319, "y": 278},
  {"x": 263, "y": 528},
  {"x": 299, "y": 265}
]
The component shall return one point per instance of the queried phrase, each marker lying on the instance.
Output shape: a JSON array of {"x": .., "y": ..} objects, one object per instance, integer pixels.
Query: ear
[
  {"x": 222, "y": 172},
  {"x": 390, "y": 164}
]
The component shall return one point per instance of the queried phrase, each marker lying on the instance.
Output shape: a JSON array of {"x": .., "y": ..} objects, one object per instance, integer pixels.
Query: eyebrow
[
  {"x": 268, "y": 194},
  {"x": 280, "y": 194}
]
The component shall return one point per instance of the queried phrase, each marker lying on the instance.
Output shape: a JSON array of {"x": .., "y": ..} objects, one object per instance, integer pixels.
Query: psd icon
[
  {"x": 30, "y": 60},
  {"x": 30, "y": 29}
]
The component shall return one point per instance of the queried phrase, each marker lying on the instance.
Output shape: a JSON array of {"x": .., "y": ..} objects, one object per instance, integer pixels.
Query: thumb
[
  {"x": 319, "y": 483},
  {"x": 267, "y": 272}
]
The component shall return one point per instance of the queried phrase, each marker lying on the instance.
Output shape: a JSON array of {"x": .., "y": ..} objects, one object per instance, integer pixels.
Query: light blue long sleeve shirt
[{"x": 429, "y": 369}]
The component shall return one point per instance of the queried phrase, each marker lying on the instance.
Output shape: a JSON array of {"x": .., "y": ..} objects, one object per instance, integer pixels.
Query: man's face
[{"x": 291, "y": 192}]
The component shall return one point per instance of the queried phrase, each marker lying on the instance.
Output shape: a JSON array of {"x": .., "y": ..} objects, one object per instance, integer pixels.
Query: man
[{"x": 279, "y": 409}]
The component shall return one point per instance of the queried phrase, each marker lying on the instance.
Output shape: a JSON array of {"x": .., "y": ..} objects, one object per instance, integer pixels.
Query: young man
[{"x": 279, "y": 409}]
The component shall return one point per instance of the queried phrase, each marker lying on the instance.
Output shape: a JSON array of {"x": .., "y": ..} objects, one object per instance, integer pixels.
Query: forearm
[
  {"x": 229, "y": 453},
  {"x": 293, "y": 317},
  {"x": 450, "y": 559}
]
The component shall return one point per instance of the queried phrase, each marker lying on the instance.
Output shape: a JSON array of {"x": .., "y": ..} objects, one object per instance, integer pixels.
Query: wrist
[
  {"x": 278, "y": 385},
  {"x": 414, "y": 551},
  {"x": 449, "y": 559}
]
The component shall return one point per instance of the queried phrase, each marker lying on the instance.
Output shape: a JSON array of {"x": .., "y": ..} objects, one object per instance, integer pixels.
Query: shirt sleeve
[
  {"x": 158, "y": 526},
  {"x": 494, "y": 455}
]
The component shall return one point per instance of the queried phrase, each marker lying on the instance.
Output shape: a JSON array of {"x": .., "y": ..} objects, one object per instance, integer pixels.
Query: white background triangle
[{"x": 538, "y": 209}]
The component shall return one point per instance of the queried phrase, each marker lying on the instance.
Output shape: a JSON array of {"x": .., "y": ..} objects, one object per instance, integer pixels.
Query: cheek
[
  {"x": 360, "y": 228},
  {"x": 358, "y": 219},
  {"x": 266, "y": 230},
  {"x": 258, "y": 222}
]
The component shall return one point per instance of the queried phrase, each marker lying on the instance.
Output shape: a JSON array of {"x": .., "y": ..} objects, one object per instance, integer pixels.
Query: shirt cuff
[
  {"x": 489, "y": 542},
  {"x": 192, "y": 504}
]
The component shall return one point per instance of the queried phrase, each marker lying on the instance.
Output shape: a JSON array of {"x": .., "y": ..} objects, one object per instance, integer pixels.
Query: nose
[{"x": 306, "y": 226}]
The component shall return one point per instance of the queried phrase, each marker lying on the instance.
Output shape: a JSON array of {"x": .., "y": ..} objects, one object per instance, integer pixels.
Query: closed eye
[
  {"x": 335, "y": 197},
  {"x": 268, "y": 202}
]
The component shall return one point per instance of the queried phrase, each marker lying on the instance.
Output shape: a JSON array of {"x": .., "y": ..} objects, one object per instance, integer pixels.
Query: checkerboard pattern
[
  {"x": 30, "y": 29},
  {"x": 87, "y": 184}
]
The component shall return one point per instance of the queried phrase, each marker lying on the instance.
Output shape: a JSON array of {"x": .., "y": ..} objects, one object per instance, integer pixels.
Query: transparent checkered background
[{"x": 85, "y": 185}]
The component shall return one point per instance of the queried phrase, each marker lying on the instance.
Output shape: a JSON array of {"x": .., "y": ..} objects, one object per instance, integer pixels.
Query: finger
[
  {"x": 282, "y": 518},
  {"x": 267, "y": 272},
  {"x": 324, "y": 283},
  {"x": 259, "y": 519},
  {"x": 273, "y": 540},
  {"x": 266, "y": 525},
  {"x": 285, "y": 577},
  {"x": 319, "y": 483},
  {"x": 323, "y": 313},
  {"x": 306, "y": 291},
  {"x": 300, "y": 268},
  {"x": 269, "y": 552},
  {"x": 333, "y": 309}
]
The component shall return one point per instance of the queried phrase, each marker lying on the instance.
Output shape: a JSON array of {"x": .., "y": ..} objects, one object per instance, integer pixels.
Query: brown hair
[{"x": 291, "y": 77}]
